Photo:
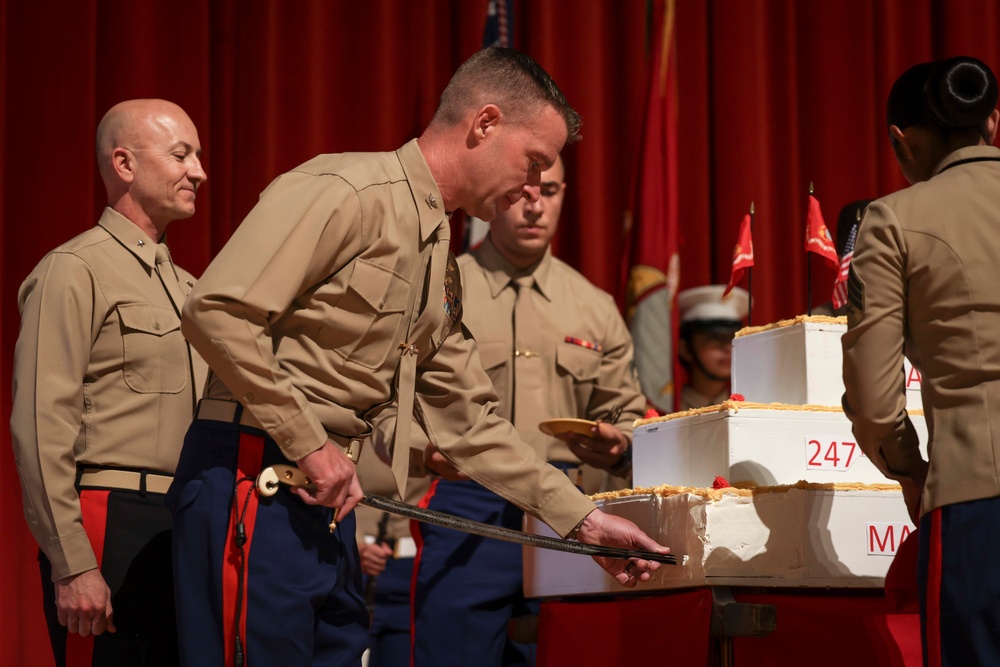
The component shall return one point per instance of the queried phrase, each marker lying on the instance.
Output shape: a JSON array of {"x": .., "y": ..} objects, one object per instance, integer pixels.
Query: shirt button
[
  {"x": 288, "y": 442},
  {"x": 381, "y": 304},
  {"x": 156, "y": 325},
  {"x": 248, "y": 397}
]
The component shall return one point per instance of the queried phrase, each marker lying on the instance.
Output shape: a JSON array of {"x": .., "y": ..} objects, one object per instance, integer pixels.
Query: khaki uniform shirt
[
  {"x": 574, "y": 317},
  {"x": 924, "y": 281},
  {"x": 102, "y": 377},
  {"x": 302, "y": 313}
]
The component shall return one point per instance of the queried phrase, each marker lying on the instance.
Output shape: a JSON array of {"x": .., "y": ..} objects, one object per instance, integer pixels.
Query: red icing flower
[
  {"x": 651, "y": 413},
  {"x": 737, "y": 397},
  {"x": 720, "y": 483}
]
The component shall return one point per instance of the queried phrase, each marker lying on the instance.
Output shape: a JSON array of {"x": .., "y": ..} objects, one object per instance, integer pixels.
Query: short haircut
[{"x": 509, "y": 79}]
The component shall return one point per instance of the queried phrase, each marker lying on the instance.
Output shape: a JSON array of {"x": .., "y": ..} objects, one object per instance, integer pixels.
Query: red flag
[
  {"x": 840, "y": 285},
  {"x": 652, "y": 265},
  {"x": 818, "y": 239},
  {"x": 742, "y": 254}
]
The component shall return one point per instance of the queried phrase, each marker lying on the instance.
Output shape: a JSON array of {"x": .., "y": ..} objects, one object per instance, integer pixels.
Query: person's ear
[
  {"x": 684, "y": 351},
  {"x": 991, "y": 125},
  {"x": 123, "y": 164},
  {"x": 901, "y": 144},
  {"x": 485, "y": 122}
]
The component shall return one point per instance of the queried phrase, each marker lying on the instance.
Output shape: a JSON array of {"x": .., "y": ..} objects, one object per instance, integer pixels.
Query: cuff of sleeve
[
  {"x": 70, "y": 556},
  {"x": 566, "y": 510},
  {"x": 299, "y": 436}
]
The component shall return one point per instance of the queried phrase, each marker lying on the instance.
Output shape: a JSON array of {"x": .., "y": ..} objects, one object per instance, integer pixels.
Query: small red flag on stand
[
  {"x": 742, "y": 254},
  {"x": 818, "y": 239}
]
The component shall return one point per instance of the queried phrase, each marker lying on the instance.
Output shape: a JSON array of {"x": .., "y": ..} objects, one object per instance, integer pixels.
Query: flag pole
[
  {"x": 809, "y": 272},
  {"x": 750, "y": 278}
]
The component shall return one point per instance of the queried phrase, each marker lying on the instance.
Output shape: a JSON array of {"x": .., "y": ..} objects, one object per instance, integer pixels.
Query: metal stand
[{"x": 738, "y": 619}]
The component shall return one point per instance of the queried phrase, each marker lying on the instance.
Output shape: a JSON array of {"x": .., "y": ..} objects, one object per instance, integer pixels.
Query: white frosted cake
[
  {"x": 803, "y": 535},
  {"x": 839, "y": 527}
]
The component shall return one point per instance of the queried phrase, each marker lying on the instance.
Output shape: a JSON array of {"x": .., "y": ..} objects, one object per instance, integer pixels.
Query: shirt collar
[
  {"x": 426, "y": 194},
  {"x": 500, "y": 273},
  {"x": 967, "y": 153},
  {"x": 129, "y": 235}
]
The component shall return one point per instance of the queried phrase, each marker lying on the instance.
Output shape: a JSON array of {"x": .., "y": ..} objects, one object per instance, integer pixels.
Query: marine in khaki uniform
[
  {"x": 923, "y": 282},
  {"x": 705, "y": 347},
  {"x": 104, "y": 389},
  {"x": 565, "y": 354},
  {"x": 334, "y": 297}
]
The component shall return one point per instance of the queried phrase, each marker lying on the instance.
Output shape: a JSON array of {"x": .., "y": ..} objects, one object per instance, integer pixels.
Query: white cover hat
[{"x": 706, "y": 303}]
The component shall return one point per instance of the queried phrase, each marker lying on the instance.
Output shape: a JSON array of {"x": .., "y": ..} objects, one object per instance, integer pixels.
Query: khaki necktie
[
  {"x": 176, "y": 294},
  {"x": 168, "y": 277},
  {"x": 407, "y": 376},
  {"x": 529, "y": 394}
]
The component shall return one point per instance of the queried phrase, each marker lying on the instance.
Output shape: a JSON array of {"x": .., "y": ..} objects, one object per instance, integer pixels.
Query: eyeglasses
[{"x": 550, "y": 188}]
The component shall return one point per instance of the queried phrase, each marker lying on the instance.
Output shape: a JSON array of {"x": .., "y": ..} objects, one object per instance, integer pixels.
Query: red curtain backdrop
[{"x": 772, "y": 94}]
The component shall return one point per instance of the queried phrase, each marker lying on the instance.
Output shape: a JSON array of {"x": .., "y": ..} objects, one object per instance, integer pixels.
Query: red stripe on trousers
[
  {"x": 94, "y": 510},
  {"x": 418, "y": 540},
  {"x": 932, "y": 621},
  {"x": 248, "y": 466}
]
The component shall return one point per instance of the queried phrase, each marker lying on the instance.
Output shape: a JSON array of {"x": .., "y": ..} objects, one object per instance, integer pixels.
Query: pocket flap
[
  {"x": 494, "y": 354},
  {"x": 149, "y": 319},
  {"x": 580, "y": 362},
  {"x": 372, "y": 283}
]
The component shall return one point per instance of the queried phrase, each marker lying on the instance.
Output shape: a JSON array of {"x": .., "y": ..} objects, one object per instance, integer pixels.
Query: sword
[{"x": 272, "y": 477}]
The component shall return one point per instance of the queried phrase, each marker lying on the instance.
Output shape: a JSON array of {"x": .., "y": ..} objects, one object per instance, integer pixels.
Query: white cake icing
[
  {"x": 799, "y": 362},
  {"x": 804, "y": 535}
]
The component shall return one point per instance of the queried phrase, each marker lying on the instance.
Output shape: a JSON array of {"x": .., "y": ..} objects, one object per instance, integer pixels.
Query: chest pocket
[
  {"x": 581, "y": 367},
  {"x": 154, "y": 353},
  {"x": 369, "y": 315}
]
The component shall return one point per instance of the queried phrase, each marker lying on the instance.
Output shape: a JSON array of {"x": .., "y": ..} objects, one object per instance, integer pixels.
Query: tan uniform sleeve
[
  {"x": 458, "y": 406},
  {"x": 874, "y": 381},
  {"x": 304, "y": 229},
  {"x": 51, "y": 357}
]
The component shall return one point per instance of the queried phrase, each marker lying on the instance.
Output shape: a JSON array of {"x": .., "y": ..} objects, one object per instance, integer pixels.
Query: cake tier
[
  {"x": 805, "y": 535},
  {"x": 800, "y": 362},
  {"x": 766, "y": 444}
]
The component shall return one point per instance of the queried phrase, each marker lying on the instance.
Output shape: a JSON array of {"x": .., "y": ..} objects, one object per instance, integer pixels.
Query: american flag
[{"x": 840, "y": 285}]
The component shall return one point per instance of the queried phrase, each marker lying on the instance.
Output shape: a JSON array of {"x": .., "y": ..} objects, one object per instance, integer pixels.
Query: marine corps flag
[
  {"x": 742, "y": 254},
  {"x": 818, "y": 239},
  {"x": 651, "y": 268}
]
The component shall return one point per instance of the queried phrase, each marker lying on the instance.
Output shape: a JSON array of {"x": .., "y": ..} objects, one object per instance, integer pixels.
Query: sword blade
[{"x": 436, "y": 518}]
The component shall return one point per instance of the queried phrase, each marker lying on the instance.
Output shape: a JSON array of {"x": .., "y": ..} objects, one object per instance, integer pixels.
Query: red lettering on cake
[
  {"x": 829, "y": 453},
  {"x": 913, "y": 378},
  {"x": 884, "y": 538}
]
